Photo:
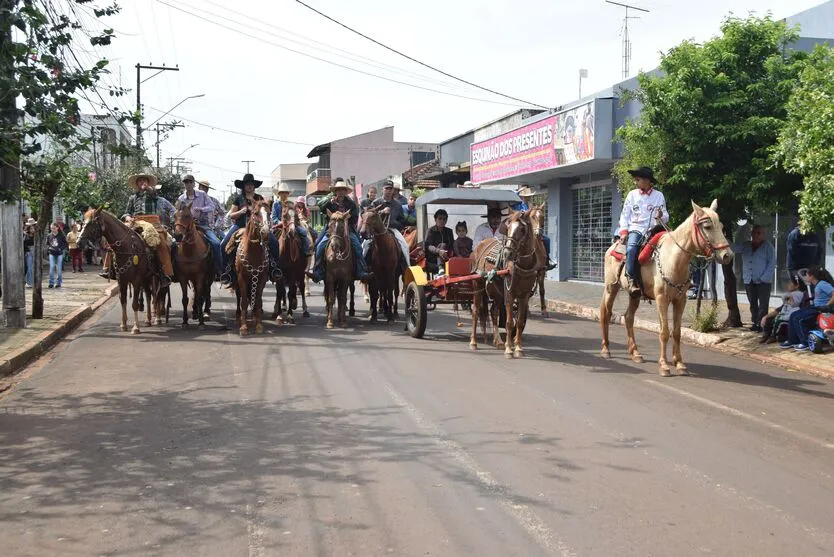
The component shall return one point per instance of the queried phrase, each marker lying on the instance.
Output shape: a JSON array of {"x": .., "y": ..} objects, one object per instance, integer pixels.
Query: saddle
[{"x": 647, "y": 248}]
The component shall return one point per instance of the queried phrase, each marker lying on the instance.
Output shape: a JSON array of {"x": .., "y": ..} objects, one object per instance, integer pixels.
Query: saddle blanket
[
  {"x": 494, "y": 253},
  {"x": 645, "y": 253}
]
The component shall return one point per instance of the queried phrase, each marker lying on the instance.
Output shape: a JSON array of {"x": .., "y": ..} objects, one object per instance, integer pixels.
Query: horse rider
[
  {"x": 525, "y": 194},
  {"x": 302, "y": 214},
  {"x": 387, "y": 205},
  {"x": 410, "y": 211},
  {"x": 202, "y": 210},
  {"x": 282, "y": 193},
  {"x": 338, "y": 200},
  {"x": 241, "y": 208},
  {"x": 641, "y": 206},
  {"x": 146, "y": 201},
  {"x": 490, "y": 229},
  {"x": 217, "y": 217}
]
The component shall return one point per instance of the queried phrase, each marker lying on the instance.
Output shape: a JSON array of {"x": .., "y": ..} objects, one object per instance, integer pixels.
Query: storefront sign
[
  {"x": 521, "y": 151},
  {"x": 575, "y": 135}
]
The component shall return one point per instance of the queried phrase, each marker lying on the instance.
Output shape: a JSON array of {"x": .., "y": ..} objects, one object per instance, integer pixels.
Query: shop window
[{"x": 590, "y": 231}]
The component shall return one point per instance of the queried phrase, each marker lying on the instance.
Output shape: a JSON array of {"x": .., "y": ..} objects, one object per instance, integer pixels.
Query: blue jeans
[
  {"x": 216, "y": 252},
  {"x": 798, "y": 323},
  {"x": 56, "y": 266},
  {"x": 632, "y": 266},
  {"x": 360, "y": 268},
  {"x": 29, "y": 267},
  {"x": 546, "y": 240}
]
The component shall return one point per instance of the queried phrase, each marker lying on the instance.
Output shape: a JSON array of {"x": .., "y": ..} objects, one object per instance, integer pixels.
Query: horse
[
  {"x": 537, "y": 216},
  {"x": 193, "y": 264},
  {"x": 385, "y": 259},
  {"x": 666, "y": 280},
  {"x": 132, "y": 261},
  {"x": 293, "y": 267},
  {"x": 252, "y": 267},
  {"x": 338, "y": 266},
  {"x": 521, "y": 253}
]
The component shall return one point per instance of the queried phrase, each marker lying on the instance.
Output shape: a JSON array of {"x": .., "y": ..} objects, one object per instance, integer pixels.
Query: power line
[
  {"x": 266, "y": 41},
  {"x": 395, "y": 51}
]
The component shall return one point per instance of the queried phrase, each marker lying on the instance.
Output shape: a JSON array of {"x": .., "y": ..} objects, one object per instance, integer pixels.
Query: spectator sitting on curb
[
  {"x": 799, "y": 320},
  {"x": 773, "y": 321}
]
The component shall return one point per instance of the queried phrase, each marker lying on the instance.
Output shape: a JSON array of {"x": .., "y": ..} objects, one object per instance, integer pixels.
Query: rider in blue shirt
[{"x": 525, "y": 194}]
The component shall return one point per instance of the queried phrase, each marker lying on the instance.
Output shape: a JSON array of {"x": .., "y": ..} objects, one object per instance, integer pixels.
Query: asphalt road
[{"x": 366, "y": 442}]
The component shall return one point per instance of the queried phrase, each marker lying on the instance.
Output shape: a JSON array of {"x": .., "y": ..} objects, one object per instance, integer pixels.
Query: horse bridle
[{"x": 701, "y": 240}]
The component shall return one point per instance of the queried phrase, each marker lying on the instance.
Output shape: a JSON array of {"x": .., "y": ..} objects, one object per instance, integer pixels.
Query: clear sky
[{"x": 530, "y": 49}]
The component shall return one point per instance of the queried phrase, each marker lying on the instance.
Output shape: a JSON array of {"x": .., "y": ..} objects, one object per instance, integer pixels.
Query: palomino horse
[
  {"x": 252, "y": 267},
  {"x": 293, "y": 267},
  {"x": 521, "y": 254},
  {"x": 338, "y": 266},
  {"x": 665, "y": 280},
  {"x": 132, "y": 260},
  {"x": 193, "y": 264},
  {"x": 385, "y": 257}
]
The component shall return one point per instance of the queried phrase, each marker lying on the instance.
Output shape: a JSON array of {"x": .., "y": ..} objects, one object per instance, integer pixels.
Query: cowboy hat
[
  {"x": 526, "y": 191},
  {"x": 282, "y": 187},
  {"x": 31, "y": 222},
  {"x": 644, "y": 172},
  {"x": 247, "y": 179},
  {"x": 131, "y": 180},
  {"x": 205, "y": 184},
  {"x": 188, "y": 178},
  {"x": 341, "y": 184},
  {"x": 468, "y": 184}
]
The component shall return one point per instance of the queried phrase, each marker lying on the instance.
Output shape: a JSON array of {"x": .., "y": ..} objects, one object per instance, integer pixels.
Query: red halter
[{"x": 701, "y": 241}]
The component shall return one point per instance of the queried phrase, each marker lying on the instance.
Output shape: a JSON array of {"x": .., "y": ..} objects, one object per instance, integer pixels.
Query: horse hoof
[
  {"x": 244, "y": 331},
  {"x": 681, "y": 367},
  {"x": 123, "y": 328},
  {"x": 606, "y": 354},
  {"x": 343, "y": 325},
  {"x": 638, "y": 359},
  {"x": 259, "y": 329},
  {"x": 306, "y": 314},
  {"x": 473, "y": 346},
  {"x": 307, "y": 293},
  {"x": 664, "y": 372},
  {"x": 329, "y": 325},
  {"x": 518, "y": 354},
  {"x": 135, "y": 331},
  {"x": 279, "y": 321},
  {"x": 508, "y": 355},
  {"x": 352, "y": 313}
]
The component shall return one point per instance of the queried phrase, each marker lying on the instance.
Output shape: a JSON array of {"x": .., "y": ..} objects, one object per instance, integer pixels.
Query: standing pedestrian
[
  {"x": 75, "y": 251},
  {"x": 803, "y": 251},
  {"x": 758, "y": 261},
  {"x": 29, "y": 250},
  {"x": 56, "y": 243}
]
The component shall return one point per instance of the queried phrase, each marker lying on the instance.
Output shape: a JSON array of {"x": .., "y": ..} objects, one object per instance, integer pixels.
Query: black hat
[
  {"x": 644, "y": 172},
  {"x": 247, "y": 179},
  {"x": 493, "y": 212}
]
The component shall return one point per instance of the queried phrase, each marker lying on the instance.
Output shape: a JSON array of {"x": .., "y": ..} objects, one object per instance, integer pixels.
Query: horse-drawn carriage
[{"x": 457, "y": 282}]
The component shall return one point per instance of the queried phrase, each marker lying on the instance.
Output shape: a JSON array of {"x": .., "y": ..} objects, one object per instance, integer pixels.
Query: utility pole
[
  {"x": 164, "y": 127},
  {"x": 139, "y": 82},
  {"x": 247, "y": 165},
  {"x": 626, "y": 38},
  {"x": 11, "y": 235}
]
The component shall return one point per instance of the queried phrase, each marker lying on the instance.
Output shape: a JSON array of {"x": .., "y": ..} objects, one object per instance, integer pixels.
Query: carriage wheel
[{"x": 416, "y": 313}]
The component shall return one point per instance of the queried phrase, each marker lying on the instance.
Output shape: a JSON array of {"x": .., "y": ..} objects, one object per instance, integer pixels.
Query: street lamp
[
  {"x": 175, "y": 106},
  {"x": 187, "y": 148}
]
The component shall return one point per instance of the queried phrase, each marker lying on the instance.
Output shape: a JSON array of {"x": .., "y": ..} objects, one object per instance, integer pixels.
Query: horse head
[
  {"x": 708, "y": 233},
  {"x": 184, "y": 224},
  {"x": 520, "y": 232},
  {"x": 255, "y": 228},
  {"x": 337, "y": 226},
  {"x": 372, "y": 222},
  {"x": 91, "y": 230},
  {"x": 537, "y": 218},
  {"x": 288, "y": 220}
]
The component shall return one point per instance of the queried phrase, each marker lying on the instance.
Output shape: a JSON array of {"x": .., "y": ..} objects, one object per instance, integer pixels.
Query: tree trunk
[
  {"x": 730, "y": 292},
  {"x": 45, "y": 213}
]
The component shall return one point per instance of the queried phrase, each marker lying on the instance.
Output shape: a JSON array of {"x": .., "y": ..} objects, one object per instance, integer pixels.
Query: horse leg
[
  {"x": 523, "y": 307},
  {"x": 606, "y": 308},
  {"x": 352, "y": 287},
  {"x": 244, "y": 313},
  {"x": 237, "y": 310},
  {"x": 541, "y": 293},
  {"x": 293, "y": 301},
  {"x": 148, "y": 304},
  {"x": 633, "y": 304},
  {"x": 137, "y": 293},
  {"x": 123, "y": 300},
  {"x": 663, "y": 313},
  {"x": 258, "y": 309},
  {"x": 374, "y": 291},
  {"x": 396, "y": 298},
  {"x": 365, "y": 289},
  {"x": 473, "y": 339},
  {"x": 304, "y": 294},
  {"x": 389, "y": 303},
  {"x": 329, "y": 295},
  {"x": 199, "y": 301},
  {"x": 677, "y": 315},
  {"x": 342, "y": 304},
  {"x": 509, "y": 326},
  {"x": 308, "y": 267},
  {"x": 276, "y": 308},
  {"x": 184, "y": 288}
]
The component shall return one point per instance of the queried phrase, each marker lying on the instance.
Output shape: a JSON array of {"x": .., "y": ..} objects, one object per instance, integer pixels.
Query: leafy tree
[
  {"x": 709, "y": 121},
  {"x": 806, "y": 142}
]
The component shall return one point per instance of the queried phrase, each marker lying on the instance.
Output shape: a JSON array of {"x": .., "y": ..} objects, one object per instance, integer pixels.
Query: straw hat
[
  {"x": 342, "y": 185},
  {"x": 281, "y": 188},
  {"x": 205, "y": 184},
  {"x": 526, "y": 191},
  {"x": 31, "y": 222},
  {"x": 131, "y": 181}
]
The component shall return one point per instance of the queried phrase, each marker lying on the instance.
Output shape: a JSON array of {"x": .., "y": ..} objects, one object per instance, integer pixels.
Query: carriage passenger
[
  {"x": 490, "y": 229},
  {"x": 463, "y": 243},
  {"x": 438, "y": 243},
  {"x": 338, "y": 201}
]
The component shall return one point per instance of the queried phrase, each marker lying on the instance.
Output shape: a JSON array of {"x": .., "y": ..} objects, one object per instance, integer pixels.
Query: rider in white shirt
[
  {"x": 640, "y": 209},
  {"x": 489, "y": 229}
]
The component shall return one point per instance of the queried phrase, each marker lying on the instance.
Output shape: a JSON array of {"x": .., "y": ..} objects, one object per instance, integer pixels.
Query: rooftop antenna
[{"x": 626, "y": 39}]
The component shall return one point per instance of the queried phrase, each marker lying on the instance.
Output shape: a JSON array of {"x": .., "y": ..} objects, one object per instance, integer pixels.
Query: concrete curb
[
  {"x": 803, "y": 367},
  {"x": 688, "y": 335},
  {"x": 47, "y": 339}
]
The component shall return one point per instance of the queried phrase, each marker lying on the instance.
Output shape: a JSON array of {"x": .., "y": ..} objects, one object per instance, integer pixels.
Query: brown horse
[
  {"x": 133, "y": 260},
  {"x": 521, "y": 254},
  {"x": 666, "y": 280},
  {"x": 293, "y": 266},
  {"x": 385, "y": 257},
  {"x": 338, "y": 266},
  {"x": 537, "y": 217},
  {"x": 193, "y": 264},
  {"x": 252, "y": 266}
]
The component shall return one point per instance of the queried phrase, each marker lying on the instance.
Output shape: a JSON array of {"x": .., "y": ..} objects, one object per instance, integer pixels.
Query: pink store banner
[{"x": 521, "y": 151}]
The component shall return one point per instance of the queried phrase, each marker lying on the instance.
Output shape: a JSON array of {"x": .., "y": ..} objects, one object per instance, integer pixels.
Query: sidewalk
[
  {"x": 64, "y": 309},
  {"x": 583, "y": 300}
]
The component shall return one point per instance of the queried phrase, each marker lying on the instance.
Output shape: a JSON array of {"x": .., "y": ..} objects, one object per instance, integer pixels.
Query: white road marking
[
  {"x": 741, "y": 414},
  {"x": 526, "y": 518}
]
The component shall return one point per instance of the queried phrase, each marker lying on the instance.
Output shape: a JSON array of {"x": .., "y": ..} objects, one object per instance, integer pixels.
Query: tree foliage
[
  {"x": 806, "y": 142},
  {"x": 711, "y": 117}
]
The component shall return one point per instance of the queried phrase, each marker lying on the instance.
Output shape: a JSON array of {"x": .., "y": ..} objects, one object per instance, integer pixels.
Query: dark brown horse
[
  {"x": 519, "y": 253},
  {"x": 293, "y": 266},
  {"x": 193, "y": 264},
  {"x": 252, "y": 266},
  {"x": 385, "y": 257},
  {"x": 133, "y": 261},
  {"x": 338, "y": 266}
]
